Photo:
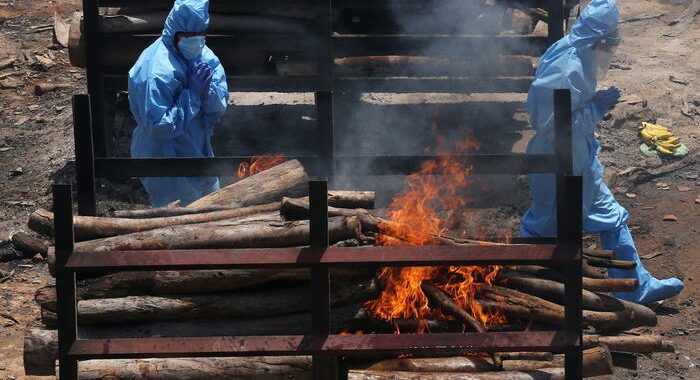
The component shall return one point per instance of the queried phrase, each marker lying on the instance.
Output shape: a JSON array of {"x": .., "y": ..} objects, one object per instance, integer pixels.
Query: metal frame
[
  {"x": 105, "y": 80},
  {"x": 324, "y": 346}
]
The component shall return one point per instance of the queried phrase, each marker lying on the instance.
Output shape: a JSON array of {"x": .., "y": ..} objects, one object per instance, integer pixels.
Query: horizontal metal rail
[
  {"x": 83, "y": 349},
  {"x": 454, "y": 45},
  {"x": 116, "y": 78},
  {"x": 303, "y": 257},
  {"x": 345, "y": 164}
]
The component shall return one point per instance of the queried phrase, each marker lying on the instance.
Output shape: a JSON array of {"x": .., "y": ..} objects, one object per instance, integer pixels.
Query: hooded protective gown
[
  {"x": 172, "y": 120},
  {"x": 569, "y": 64}
]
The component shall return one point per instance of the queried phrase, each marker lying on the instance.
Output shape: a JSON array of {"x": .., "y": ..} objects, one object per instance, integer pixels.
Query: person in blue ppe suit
[
  {"x": 577, "y": 62},
  {"x": 177, "y": 91}
]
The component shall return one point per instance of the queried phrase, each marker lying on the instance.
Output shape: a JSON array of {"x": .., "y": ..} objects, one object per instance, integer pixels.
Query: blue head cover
[
  {"x": 569, "y": 64},
  {"x": 186, "y": 16},
  {"x": 172, "y": 120}
]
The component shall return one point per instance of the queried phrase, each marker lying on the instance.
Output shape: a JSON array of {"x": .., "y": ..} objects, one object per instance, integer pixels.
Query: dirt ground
[{"x": 656, "y": 67}]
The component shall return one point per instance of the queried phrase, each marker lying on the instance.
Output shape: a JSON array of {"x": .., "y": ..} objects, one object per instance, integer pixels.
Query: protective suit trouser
[{"x": 650, "y": 289}]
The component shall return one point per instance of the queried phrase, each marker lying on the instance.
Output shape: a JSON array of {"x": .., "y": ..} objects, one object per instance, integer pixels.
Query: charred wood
[
  {"x": 449, "y": 307},
  {"x": 28, "y": 245}
]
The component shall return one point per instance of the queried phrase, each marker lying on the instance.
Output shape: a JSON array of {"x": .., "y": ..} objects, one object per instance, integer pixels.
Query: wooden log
[
  {"x": 554, "y": 291},
  {"x": 529, "y": 307},
  {"x": 587, "y": 270},
  {"x": 592, "y": 284},
  {"x": 40, "y": 352},
  {"x": 224, "y": 234},
  {"x": 29, "y": 245},
  {"x": 288, "y": 179},
  {"x": 599, "y": 253},
  {"x": 95, "y": 227},
  {"x": 597, "y": 361},
  {"x": 124, "y": 284},
  {"x": 526, "y": 355},
  {"x": 449, "y": 307},
  {"x": 247, "y": 368},
  {"x": 640, "y": 344},
  {"x": 450, "y": 364},
  {"x": 172, "y": 209},
  {"x": 540, "y": 374},
  {"x": 299, "y": 209},
  {"x": 606, "y": 263},
  {"x": 43, "y": 88},
  {"x": 241, "y": 304},
  {"x": 336, "y": 198}
]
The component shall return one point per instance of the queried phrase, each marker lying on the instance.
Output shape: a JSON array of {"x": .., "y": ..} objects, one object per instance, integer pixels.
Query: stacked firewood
[{"x": 270, "y": 209}]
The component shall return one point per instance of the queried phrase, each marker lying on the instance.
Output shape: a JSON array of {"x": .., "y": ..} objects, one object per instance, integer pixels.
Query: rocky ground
[{"x": 656, "y": 67}]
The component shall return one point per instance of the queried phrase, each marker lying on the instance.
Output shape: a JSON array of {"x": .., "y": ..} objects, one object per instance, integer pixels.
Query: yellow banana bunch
[{"x": 659, "y": 137}]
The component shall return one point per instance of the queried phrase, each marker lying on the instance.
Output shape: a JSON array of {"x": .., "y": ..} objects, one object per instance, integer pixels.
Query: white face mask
[
  {"x": 601, "y": 61},
  {"x": 191, "y": 47}
]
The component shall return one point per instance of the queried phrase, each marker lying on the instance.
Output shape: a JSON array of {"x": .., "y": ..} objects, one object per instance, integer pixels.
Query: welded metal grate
[{"x": 325, "y": 347}]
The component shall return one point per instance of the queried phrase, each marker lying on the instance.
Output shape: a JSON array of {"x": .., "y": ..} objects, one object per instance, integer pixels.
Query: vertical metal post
[
  {"x": 65, "y": 281},
  {"x": 324, "y": 367},
  {"x": 324, "y": 94},
  {"x": 569, "y": 228},
  {"x": 84, "y": 155},
  {"x": 555, "y": 30},
  {"x": 93, "y": 65}
]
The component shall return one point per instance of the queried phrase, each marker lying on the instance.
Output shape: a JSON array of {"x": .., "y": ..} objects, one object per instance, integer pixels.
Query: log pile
[{"x": 276, "y": 301}]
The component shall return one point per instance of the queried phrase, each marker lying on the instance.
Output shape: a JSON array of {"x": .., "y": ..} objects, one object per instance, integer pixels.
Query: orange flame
[
  {"x": 258, "y": 164},
  {"x": 432, "y": 203}
]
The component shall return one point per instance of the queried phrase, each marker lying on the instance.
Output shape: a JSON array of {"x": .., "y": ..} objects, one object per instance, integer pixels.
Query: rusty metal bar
[
  {"x": 356, "y": 164},
  {"x": 325, "y": 367},
  {"x": 569, "y": 227},
  {"x": 65, "y": 281},
  {"x": 296, "y": 257},
  {"x": 313, "y": 344},
  {"x": 84, "y": 155}
]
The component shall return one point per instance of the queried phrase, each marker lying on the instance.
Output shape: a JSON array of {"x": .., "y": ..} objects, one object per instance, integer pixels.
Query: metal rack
[
  {"x": 330, "y": 38},
  {"x": 563, "y": 252}
]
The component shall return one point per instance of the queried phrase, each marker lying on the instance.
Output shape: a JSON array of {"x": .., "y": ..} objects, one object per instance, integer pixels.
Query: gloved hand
[
  {"x": 607, "y": 99},
  {"x": 200, "y": 78}
]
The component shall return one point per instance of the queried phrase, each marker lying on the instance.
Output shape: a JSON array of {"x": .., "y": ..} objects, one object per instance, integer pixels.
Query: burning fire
[
  {"x": 428, "y": 208},
  {"x": 258, "y": 164}
]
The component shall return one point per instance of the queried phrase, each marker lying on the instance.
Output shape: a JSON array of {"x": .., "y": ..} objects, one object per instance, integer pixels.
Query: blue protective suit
[
  {"x": 569, "y": 64},
  {"x": 172, "y": 120}
]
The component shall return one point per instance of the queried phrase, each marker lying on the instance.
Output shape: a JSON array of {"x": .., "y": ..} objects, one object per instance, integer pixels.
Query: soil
[{"x": 655, "y": 66}]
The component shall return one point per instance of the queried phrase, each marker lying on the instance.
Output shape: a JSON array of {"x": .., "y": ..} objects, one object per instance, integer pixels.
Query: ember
[
  {"x": 258, "y": 164},
  {"x": 427, "y": 209}
]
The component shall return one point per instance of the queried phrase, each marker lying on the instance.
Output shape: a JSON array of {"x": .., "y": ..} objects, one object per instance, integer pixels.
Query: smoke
[{"x": 383, "y": 122}]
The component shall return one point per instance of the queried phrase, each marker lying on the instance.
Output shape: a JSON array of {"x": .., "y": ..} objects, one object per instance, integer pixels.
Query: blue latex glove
[
  {"x": 200, "y": 78},
  {"x": 606, "y": 100}
]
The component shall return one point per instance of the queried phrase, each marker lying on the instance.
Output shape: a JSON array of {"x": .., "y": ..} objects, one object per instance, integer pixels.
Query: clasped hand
[
  {"x": 200, "y": 78},
  {"x": 607, "y": 99}
]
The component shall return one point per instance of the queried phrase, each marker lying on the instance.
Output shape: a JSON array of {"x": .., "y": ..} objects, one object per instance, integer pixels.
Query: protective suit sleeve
[
  {"x": 215, "y": 101},
  {"x": 585, "y": 114},
  {"x": 167, "y": 110}
]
